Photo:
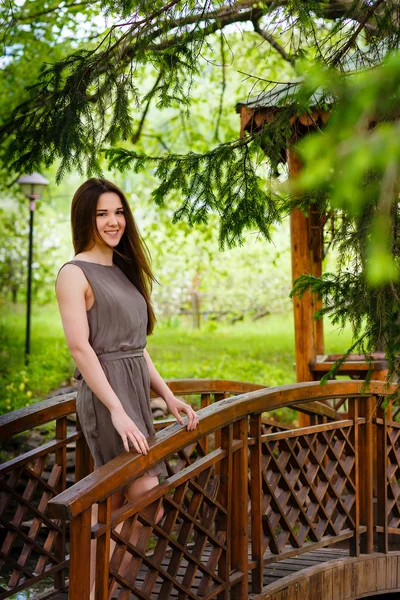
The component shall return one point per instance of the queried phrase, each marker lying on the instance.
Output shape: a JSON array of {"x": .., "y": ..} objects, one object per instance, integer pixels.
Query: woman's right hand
[{"x": 129, "y": 431}]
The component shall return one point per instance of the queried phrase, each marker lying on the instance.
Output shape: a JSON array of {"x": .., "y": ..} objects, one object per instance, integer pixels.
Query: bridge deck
[{"x": 273, "y": 572}]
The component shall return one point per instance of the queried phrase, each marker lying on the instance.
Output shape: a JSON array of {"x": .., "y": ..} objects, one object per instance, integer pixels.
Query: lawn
[{"x": 260, "y": 352}]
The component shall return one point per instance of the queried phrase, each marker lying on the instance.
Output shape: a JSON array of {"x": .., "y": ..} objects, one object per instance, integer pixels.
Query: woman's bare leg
[{"x": 133, "y": 493}]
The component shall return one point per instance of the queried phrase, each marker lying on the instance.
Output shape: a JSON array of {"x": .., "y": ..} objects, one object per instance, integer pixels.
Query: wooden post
[
  {"x": 79, "y": 567},
  {"x": 205, "y": 442},
  {"x": 217, "y": 434},
  {"x": 305, "y": 350},
  {"x": 366, "y": 462},
  {"x": 239, "y": 526},
  {"x": 382, "y": 492},
  {"x": 317, "y": 251},
  {"x": 225, "y": 498},
  {"x": 353, "y": 415},
  {"x": 103, "y": 551},
  {"x": 61, "y": 459},
  {"x": 256, "y": 504}
]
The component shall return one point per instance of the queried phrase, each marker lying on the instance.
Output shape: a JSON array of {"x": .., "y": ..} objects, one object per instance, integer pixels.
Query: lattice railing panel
[
  {"x": 308, "y": 487},
  {"x": 32, "y": 546},
  {"x": 32, "y": 541},
  {"x": 393, "y": 475},
  {"x": 185, "y": 457},
  {"x": 184, "y": 555}
]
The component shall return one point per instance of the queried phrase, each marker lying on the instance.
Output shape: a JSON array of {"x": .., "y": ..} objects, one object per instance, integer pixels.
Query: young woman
[{"x": 104, "y": 301}]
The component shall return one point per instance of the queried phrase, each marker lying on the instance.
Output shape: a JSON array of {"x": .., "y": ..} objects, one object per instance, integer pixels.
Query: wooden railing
[
  {"x": 238, "y": 481},
  {"x": 33, "y": 547}
]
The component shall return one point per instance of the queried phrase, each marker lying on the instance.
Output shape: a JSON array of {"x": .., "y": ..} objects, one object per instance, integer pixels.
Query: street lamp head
[{"x": 32, "y": 185}]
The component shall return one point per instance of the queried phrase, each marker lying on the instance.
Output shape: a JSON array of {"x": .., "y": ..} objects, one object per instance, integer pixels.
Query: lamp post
[{"x": 32, "y": 187}]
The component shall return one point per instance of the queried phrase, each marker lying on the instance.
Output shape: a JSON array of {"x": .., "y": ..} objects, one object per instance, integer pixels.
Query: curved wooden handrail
[
  {"x": 36, "y": 414},
  {"x": 210, "y": 386},
  {"x": 119, "y": 472},
  {"x": 59, "y": 406}
]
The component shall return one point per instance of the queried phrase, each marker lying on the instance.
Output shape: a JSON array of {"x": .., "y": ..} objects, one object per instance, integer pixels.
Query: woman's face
[{"x": 110, "y": 218}]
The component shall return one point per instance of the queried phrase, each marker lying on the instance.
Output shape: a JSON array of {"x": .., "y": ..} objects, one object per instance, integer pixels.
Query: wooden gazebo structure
[{"x": 307, "y": 232}]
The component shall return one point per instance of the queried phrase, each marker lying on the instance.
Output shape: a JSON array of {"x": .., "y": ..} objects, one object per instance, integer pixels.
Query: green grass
[
  {"x": 259, "y": 352},
  {"x": 50, "y": 362}
]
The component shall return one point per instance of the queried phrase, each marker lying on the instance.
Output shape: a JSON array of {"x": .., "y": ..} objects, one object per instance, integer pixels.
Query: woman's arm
[
  {"x": 174, "y": 405},
  {"x": 71, "y": 287}
]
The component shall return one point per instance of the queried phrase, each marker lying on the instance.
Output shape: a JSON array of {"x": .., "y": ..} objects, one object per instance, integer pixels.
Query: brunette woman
[{"x": 104, "y": 301}]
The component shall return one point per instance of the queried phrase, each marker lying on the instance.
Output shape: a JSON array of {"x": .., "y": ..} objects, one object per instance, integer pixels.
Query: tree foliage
[
  {"x": 14, "y": 232},
  {"x": 96, "y": 95}
]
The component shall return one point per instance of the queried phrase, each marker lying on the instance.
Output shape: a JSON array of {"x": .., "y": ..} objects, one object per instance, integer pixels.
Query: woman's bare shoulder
[{"x": 70, "y": 273}]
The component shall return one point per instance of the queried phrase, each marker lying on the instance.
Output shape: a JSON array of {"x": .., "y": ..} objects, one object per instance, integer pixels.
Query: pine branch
[
  {"x": 136, "y": 136},
  {"x": 363, "y": 21},
  {"x": 223, "y": 181},
  {"x": 271, "y": 40},
  {"x": 32, "y": 16}
]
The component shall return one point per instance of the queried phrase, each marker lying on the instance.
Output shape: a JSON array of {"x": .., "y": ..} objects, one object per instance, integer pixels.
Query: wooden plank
[
  {"x": 337, "y": 582},
  {"x": 354, "y": 475},
  {"x": 61, "y": 459},
  {"x": 316, "y": 235},
  {"x": 366, "y": 481},
  {"x": 316, "y": 589},
  {"x": 36, "y": 414},
  {"x": 303, "y": 590},
  {"x": 79, "y": 573},
  {"x": 256, "y": 494},
  {"x": 103, "y": 552},
  {"x": 392, "y": 572},
  {"x": 292, "y": 593},
  {"x": 382, "y": 484},
  {"x": 325, "y": 541},
  {"x": 35, "y": 453},
  {"x": 226, "y": 493},
  {"x": 381, "y": 573},
  {"x": 356, "y": 367},
  {"x": 316, "y": 408},
  {"x": 398, "y": 572},
  {"x": 301, "y": 263},
  {"x": 348, "y": 583},
  {"x": 209, "y": 386},
  {"x": 364, "y": 577},
  {"x": 287, "y": 434},
  {"x": 328, "y": 583},
  {"x": 239, "y": 526}
]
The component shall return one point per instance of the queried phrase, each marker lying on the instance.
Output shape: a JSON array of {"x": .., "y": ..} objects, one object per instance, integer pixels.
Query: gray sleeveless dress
[{"x": 118, "y": 325}]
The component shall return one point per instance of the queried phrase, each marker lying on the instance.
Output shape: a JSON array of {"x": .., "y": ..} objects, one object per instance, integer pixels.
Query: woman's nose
[{"x": 112, "y": 220}]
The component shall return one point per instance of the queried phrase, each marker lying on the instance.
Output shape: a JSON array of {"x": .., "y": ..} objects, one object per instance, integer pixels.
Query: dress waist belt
[{"x": 113, "y": 356}]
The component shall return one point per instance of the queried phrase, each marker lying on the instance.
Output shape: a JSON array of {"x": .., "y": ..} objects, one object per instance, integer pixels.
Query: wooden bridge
[{"x": 252, "y": 509}]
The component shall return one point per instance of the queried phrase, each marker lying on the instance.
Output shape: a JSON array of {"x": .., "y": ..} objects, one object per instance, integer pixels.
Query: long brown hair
[{"x": 131, "y": 255}]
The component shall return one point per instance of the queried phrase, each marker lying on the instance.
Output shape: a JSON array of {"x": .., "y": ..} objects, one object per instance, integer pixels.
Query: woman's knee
[
  {"x": 141, "y": 486},
  {"x": 160, "y": 513}
]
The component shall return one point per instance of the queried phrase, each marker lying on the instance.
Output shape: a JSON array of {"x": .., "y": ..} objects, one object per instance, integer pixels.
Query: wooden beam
[{"x": 301, "y": 263}]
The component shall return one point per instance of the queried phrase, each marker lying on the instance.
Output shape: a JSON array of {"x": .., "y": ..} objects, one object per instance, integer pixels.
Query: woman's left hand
[{"x": 176, "y": 406}]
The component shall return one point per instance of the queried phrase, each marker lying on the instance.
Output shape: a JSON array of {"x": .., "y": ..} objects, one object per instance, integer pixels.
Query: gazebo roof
[{"x": 281, "y": 94}]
